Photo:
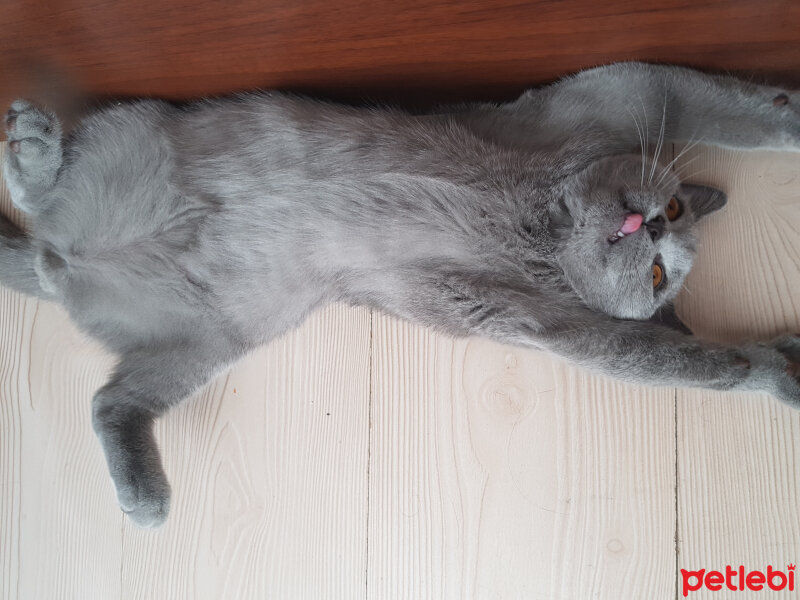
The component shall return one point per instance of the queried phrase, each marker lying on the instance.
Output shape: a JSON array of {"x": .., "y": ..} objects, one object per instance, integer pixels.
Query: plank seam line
[
  {"x": 370, "y": 363},
  {"x": 677, "y": 522}
]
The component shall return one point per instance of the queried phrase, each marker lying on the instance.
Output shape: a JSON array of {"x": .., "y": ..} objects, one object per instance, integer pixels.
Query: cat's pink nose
[{"x": 632, "y": 223}]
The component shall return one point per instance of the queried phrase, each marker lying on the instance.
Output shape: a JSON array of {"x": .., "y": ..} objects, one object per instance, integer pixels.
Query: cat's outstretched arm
[
  {"x": 623, "y": 105},
  {"x": 653, "y": 353},
  {"x": 644, "y": 352}
]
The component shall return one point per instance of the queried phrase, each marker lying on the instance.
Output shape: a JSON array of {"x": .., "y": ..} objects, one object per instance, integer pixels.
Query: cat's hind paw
[
  {"x": 144, "y": 498},
  {"x": 26, "y": 121},
  {"x": 34, "y": 152}
]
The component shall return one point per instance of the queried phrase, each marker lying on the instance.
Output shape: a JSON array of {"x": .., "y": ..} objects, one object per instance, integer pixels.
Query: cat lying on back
[{"x": 184, "y": 237}]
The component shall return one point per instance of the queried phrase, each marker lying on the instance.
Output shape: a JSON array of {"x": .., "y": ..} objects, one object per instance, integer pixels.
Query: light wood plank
[
  {"x": 738, "y": 464},
  {"x": 502, "y": 473}
]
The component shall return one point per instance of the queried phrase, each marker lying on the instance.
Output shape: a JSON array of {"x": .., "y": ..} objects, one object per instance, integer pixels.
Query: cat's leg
[
  {"x": 34, "y": 154},
  {"x": 644, "y": 352},
  {"x": 144, "y": 386},
  {"x": 18, "y": 261},
  {"x": 625, "y": 105}
]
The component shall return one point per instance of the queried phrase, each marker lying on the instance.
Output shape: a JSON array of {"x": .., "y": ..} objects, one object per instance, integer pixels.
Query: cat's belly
[{"x": 137, "y": 303}]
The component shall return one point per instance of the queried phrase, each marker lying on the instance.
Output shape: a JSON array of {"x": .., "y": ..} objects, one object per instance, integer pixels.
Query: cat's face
[{"x": 627, "y": 243}]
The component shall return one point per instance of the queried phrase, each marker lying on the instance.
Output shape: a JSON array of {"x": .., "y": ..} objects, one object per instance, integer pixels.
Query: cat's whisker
[
  {"x": 641, "y": 141},
  {"x": 681, "y": 168},
  {"x": 691, "y": 144},
  {"x": 669, "y": 166},
  {"x": 694, "y": 174},
  {"x": 663, "y": 183},
  {"x": 646, "y": 132},
  {"x": 660, "y": 142}
]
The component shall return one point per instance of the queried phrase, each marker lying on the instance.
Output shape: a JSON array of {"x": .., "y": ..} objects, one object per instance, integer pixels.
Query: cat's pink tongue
[{"x": 632, "y": 223}]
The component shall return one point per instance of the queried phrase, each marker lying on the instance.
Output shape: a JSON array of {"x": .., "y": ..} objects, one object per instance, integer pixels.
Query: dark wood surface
[{"x": 416, "y": 51}]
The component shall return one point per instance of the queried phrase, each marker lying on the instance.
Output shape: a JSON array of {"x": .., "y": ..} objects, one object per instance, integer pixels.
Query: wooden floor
[{"x": 364, "y": 457}]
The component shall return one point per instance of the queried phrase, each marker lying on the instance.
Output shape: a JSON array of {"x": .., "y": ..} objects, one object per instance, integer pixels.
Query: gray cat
[{"x": 184, "y": 237}]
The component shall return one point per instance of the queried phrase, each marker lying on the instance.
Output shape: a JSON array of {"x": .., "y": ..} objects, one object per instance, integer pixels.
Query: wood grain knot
[
  {"x": 615, "y": 546},
  {"x": 507, "y": 400}
]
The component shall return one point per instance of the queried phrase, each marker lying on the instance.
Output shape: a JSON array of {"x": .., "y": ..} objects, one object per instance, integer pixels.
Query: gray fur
[{"x": 184, "y": 237}]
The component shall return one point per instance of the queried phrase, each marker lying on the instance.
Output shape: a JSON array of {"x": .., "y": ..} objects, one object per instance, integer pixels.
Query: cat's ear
[
  {"x": 667, "y": 316},
  {"x": 702, "y": 199}
]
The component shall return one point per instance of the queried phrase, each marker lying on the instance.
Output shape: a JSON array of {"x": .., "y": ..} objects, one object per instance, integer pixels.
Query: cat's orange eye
[
  {"x": 674, "y": 208},
  {"x": 658, "y": 275}
]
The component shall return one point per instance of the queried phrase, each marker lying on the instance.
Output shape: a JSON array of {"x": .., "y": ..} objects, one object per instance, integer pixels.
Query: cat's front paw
[
  {"x": 786, "y": 107},
  {"x": 775, "y": 368},
  {"x": 789, "y": 347},
  {"x": 34, "y": 153}
]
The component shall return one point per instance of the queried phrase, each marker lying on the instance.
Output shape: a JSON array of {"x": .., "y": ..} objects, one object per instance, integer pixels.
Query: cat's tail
[{"x": 18, "y": 256}]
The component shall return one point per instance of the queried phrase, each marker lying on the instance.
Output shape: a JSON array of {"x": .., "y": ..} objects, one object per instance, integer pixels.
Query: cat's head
[{"x": 625, "y": 241}]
